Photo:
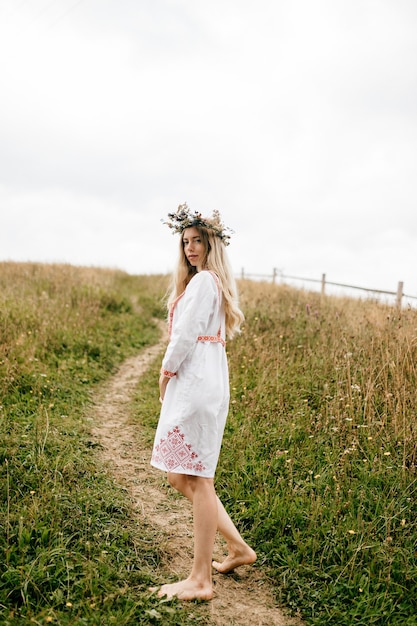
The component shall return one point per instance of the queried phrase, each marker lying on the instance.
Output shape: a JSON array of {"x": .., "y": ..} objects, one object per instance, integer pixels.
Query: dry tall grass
[{"x": 319, "y": 460}]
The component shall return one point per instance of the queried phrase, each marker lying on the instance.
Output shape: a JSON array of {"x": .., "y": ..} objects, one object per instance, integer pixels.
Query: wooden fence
[{"x": 277, "y": 274}]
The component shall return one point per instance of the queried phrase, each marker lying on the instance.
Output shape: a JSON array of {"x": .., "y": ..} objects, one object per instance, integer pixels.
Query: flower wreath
[{"x": 185, "y": 218}]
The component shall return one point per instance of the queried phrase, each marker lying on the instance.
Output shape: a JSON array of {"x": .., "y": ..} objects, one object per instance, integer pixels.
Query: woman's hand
[{"x": 163, "y": 381}]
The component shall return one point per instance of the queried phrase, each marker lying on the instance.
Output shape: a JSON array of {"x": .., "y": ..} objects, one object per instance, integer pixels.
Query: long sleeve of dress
[{"x": 198, "y": 306}]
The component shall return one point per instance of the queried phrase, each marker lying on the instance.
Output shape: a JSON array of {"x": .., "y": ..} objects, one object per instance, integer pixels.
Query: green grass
[
  {"x": 70, "y": 550},
  {"x": 318, "y": 465}
]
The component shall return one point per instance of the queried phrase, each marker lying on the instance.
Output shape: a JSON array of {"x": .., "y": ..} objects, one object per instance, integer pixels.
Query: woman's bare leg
[
  {"x": 239, "y": 553},
  {"x": 198, "y": 585}
]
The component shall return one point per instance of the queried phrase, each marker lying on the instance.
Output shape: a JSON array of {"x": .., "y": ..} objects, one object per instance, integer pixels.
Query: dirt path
[{"x": 242, "y": 598}]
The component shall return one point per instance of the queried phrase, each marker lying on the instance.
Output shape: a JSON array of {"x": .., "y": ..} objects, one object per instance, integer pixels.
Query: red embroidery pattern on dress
[
  {"x": 213, "y": 338},
  {"x": 167, "y": 373},
  {"x": 174, "y": 452},
  {"x": 171, "y": 313}
]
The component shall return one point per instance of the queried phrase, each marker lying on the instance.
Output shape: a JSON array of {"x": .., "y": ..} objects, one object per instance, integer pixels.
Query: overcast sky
[{"x": 297, "y": 119}]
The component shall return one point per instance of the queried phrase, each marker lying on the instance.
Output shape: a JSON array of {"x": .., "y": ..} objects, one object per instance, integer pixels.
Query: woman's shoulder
[{"x": 205, "y": 279}]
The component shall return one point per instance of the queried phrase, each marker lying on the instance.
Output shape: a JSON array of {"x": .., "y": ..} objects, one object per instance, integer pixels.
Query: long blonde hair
[{"x": 217, "y": 262}]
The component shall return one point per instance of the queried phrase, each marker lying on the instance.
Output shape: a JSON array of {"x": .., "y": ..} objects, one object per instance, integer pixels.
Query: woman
[{"x": 194, "y": 391}]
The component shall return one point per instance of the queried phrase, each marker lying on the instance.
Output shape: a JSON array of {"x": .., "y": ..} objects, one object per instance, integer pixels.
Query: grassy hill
[{"x": 318, "y": 464}]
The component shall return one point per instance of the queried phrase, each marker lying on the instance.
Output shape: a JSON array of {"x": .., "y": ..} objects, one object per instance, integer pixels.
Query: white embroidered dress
[{"x": 193, "y": 415}]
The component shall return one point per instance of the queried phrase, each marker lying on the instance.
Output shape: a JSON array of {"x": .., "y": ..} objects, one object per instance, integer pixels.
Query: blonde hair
[{"x": 216, "y": 261}]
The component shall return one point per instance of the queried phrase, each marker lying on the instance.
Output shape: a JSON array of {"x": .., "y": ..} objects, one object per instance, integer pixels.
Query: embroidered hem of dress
[{"x": 173, "y": 452}]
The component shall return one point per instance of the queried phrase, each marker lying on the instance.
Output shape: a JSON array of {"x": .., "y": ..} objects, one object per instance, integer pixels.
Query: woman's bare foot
[
  {"x": 186, "y": 590},
  {"x": 235, "y": 558}
]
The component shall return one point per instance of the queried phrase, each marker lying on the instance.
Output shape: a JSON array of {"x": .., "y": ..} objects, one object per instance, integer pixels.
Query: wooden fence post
[
  {"x": 399, "y": 294},
  {"x": 274, "y": 275},
  {"x": 242, "y": 274},
  {"x": 323, "y": 284}
]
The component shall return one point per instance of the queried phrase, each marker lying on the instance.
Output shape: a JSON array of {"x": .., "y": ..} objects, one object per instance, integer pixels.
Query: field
[
  {"x": 319, "y": 461},
  {"x": 318, "y": 464}
]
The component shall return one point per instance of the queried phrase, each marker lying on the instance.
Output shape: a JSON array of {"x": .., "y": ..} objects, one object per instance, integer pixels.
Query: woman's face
[{"x": 193, "y": 247}]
